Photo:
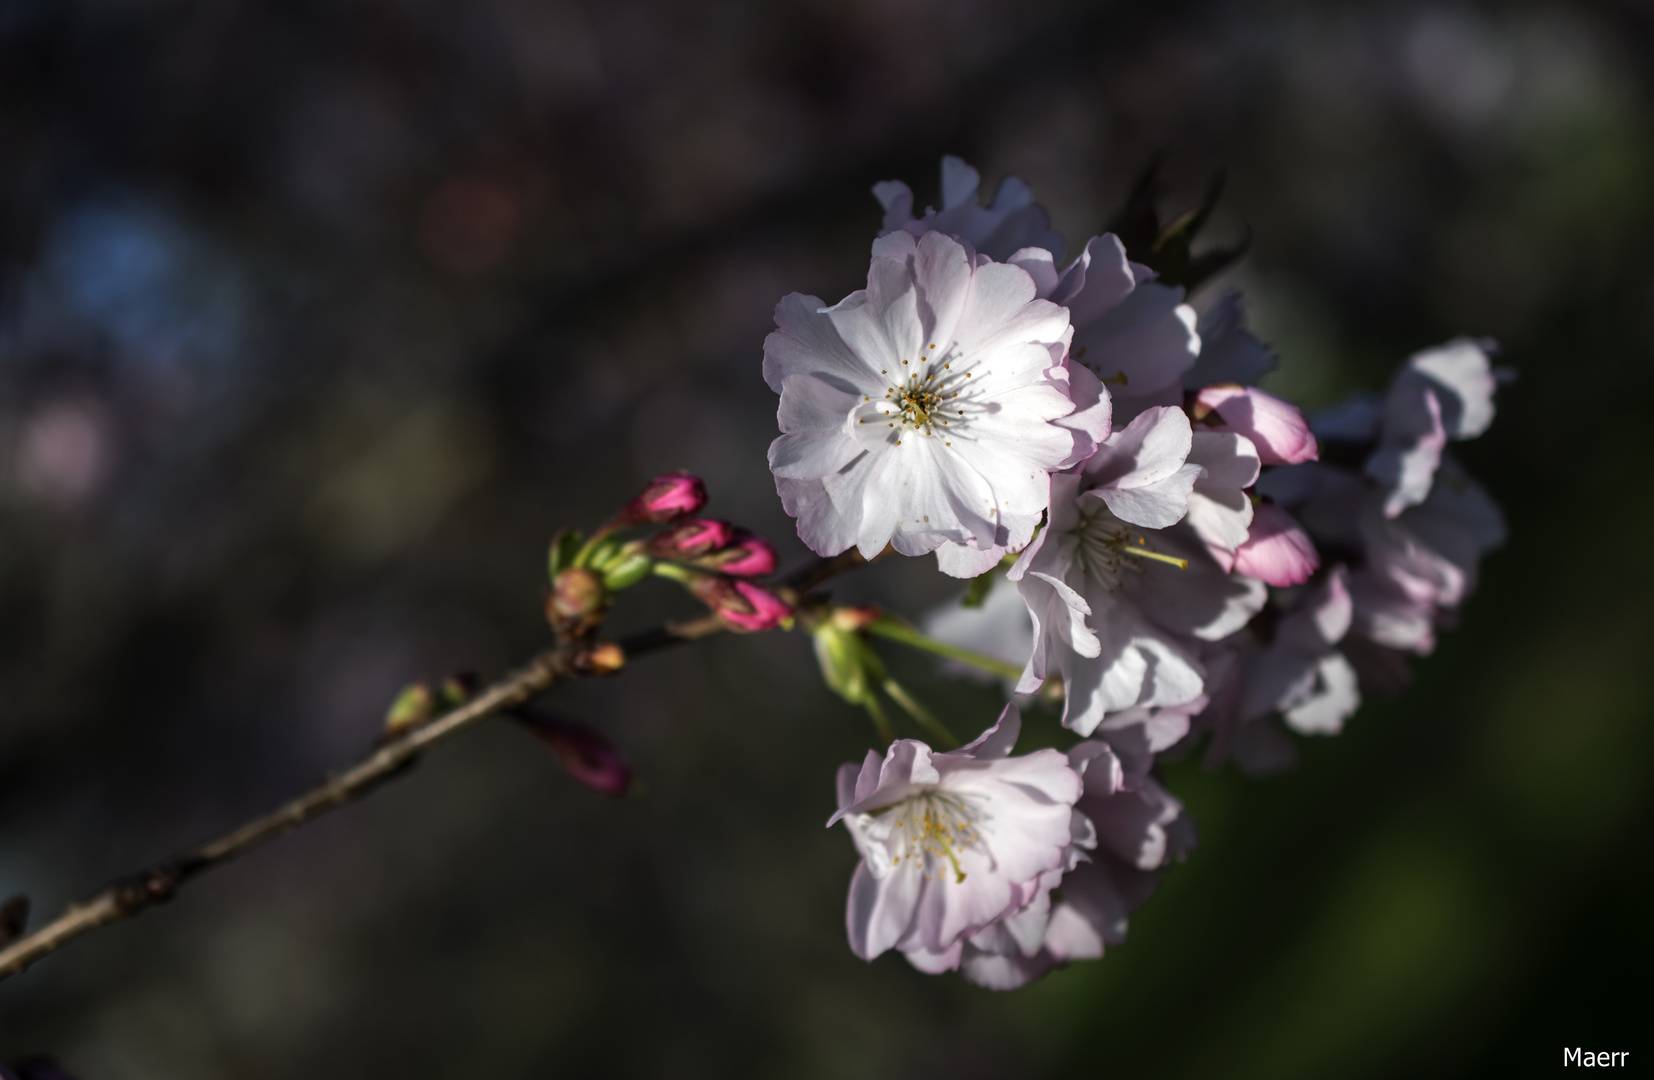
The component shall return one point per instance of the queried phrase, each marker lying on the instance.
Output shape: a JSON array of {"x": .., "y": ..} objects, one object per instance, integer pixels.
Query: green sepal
[
  {"x": 563, "y": 548},
  {"x": 598, "y": 555},
  {"x": 628, "y": 571}
]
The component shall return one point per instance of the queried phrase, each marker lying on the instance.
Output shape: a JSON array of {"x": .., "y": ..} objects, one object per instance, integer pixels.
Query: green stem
[
  {"x": 888, "y": 627},
  {"x": 924, "y": 716},
  {"x": 880, "y": 720},
  {"x": 681, "y": 574}
]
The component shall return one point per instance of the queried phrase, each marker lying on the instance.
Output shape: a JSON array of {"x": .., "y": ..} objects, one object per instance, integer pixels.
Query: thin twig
[
  {"x": 129, "y": 896},
  {"x": 138, "y": 892}
]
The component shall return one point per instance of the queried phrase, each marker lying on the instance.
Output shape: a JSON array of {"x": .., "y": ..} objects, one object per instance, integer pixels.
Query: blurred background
[{"x": 317, "y": 320}]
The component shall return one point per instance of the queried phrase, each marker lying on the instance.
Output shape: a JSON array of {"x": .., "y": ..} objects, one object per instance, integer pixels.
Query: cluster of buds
[
  {"x": 715, "y": 545},
  {"x": 711, "y": 558}
]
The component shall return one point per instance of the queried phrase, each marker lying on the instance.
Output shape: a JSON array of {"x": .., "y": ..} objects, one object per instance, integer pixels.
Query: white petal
[
  {"x": 1336, "y": 696},
  {"x": 805, "y": 342},
  {"x": 1145, "y": 343}
]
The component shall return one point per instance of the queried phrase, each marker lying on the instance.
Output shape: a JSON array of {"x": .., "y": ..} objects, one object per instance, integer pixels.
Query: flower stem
[
  {"x": 895, "y": 630},
  {"x": 924, "y": 716},
  {"x": 681, "y": 574},
  {"x": 880, "y": 720}
]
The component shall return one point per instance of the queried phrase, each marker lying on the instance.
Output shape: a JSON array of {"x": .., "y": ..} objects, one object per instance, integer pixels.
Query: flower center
[
  {"x": 1107, "y": 548},
  {"x": 933, "y": 398},
  {"x": 933, "y": 828}
]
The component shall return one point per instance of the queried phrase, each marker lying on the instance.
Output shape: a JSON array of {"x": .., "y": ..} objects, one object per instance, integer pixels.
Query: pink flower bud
[
  {"x": 586, "y": 755},
  {"x": 1277, "y": 550},
  {"x": 1276, "y": 427},
  {"x": 740, "y": 604},
  {"x": 749, "y": 556},
  {"x": 768, "y": 610},
  {"x": 666, "y": 499},
  {"x": 691, "y": 539}
]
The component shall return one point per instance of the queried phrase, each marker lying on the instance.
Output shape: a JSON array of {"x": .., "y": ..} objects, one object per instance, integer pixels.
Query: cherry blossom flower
[
  {"x": 1124, "y": 829},
  {"x": 1132, "y": 333},
  {"x": 951, "y": 842},
  {"x": 1115, "y": 615},
  {"x": 921, "y": 411}
]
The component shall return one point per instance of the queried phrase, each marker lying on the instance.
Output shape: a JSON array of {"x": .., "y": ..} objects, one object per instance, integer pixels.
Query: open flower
[
  {"x": 1117, "y": 597},
  {"x": 951, "y": 842},
  {"x": 920, "y": 411},
  {"x": 1124, "y": 829}
]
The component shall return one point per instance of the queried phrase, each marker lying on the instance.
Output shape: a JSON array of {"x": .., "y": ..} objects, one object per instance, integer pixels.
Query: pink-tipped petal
[
  {"x": 751, "y": 556},
  {"x": 666, "y": 499},
  {"x": 768, "y": 611},
  {"x": 1277, "y": 550},
  {"x": 690, "y": 539},
  {"x": 1277, "y": 428}
]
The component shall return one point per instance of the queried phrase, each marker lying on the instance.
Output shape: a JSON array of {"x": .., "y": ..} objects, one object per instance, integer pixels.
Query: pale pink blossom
[
  {"x": 1125, "y": 828},
  {"x": 924, "y": 410},
  {"x": 951, "y": 842},
  {"x": 1114, "y": 613}
]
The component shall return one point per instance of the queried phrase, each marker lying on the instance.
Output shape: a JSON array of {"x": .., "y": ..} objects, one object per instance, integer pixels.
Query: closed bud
[
  {"x": 583, "y": 753},
  {"x": 748, "y": 556},
  {"x": 411, "y": 708},
  {"x": 666, "y": 499},
  {"x": 847, "y": 664},
  {"x": 692, "y": 539},
  {"x": 741, "y": 605},
  {"x": 577, "y": 599},
  {"x": 604, "y": 659}
]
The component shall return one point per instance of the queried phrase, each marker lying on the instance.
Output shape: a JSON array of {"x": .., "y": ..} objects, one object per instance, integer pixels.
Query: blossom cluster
[{"x": 1193, "y": 559}]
